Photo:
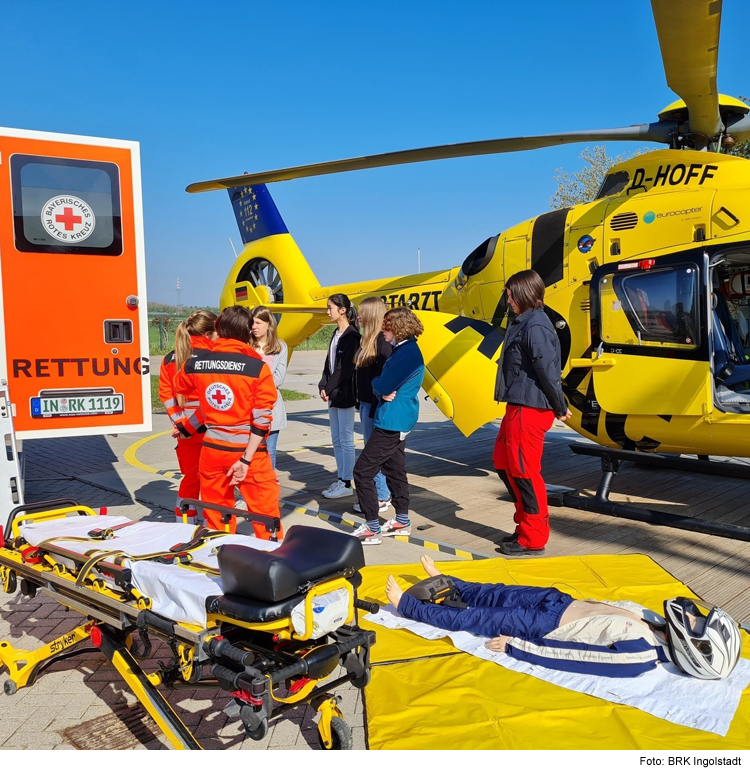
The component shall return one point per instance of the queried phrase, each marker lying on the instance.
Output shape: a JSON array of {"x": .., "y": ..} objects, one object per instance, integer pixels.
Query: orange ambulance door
[{"x": 73, "y": 302}]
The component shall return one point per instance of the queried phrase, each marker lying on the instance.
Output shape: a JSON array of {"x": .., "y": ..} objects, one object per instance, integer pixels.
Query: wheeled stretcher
[{"x": 269, "y": 623}]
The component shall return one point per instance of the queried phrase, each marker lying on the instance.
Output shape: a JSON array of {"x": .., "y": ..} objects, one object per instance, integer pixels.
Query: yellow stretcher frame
[
  {"x": 115, "y": 614},
  {"x": 429, "y": 695}
]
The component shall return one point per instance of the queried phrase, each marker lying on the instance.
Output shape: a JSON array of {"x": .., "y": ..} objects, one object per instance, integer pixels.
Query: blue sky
[{"x": 214, "y": 89}]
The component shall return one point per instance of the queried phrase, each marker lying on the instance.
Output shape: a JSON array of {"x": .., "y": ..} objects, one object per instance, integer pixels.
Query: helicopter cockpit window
[
  {"x": 651, "y": 307},
  {"x": 613, "y": 184},
  {"x": 480, "y": 257}
]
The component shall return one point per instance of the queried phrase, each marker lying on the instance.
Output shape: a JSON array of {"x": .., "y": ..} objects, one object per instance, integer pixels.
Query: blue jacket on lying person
[{"x": 402, "y": 373}]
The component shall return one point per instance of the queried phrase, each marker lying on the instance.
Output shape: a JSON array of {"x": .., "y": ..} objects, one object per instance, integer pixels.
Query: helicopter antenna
[{"x": 231, "y": 243}]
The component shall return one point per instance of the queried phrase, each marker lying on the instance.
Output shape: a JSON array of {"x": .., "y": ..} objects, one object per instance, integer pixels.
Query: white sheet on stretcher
[
  {"x": 662, "y": 692},
  {"x": 175, "y": 592}
]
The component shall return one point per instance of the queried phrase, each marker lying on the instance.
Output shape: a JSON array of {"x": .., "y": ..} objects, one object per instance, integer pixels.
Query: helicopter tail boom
[{"x": 270, "y": 270}]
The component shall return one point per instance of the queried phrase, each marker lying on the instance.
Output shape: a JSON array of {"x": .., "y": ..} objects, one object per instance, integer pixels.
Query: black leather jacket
[{"x": 529, "y": 369}]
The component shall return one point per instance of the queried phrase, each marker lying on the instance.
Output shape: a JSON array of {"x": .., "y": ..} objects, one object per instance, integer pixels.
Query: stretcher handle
[
  {"x": 34, "y": 507},
  {"x": 159, "y": 623},
  {"x": 272, "y": 524},
  {"x": 247, "y": 680},
  {"x": 363, "y": 605},
  {"x": 223, "y": 648},
  {"x": 233, "y": 678},
  {"x": 303, "y": 667}
]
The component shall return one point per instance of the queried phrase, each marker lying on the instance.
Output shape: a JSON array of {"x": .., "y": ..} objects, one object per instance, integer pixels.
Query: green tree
[{"x": 582, "y": 185}]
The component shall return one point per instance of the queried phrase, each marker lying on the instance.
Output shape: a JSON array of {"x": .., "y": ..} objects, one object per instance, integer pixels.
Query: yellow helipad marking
[{"x": 130, "y": 454}]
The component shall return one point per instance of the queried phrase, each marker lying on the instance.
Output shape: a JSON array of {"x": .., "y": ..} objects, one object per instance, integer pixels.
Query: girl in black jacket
[
  {"x": 337, "y": 388},
  {"x": 528, "y": 380}
]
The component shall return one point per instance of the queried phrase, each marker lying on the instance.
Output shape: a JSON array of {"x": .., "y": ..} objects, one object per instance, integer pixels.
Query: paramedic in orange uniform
[
  {"x": 236, "y": 391},
  {"x": 193, "y": 335}
]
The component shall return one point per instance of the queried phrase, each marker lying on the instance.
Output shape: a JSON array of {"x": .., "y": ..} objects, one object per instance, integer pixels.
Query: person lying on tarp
[{"x": 547, "y": 627}]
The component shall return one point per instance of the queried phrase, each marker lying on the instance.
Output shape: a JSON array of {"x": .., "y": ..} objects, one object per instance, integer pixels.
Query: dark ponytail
[{"x": 340, "y": 300}]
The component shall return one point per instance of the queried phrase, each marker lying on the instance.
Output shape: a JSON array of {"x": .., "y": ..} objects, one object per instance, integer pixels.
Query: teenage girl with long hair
[
  {"x": 194, "y": 334},
  {"x": 529, "y": 382},
  {"x": 274, "y": 352},
  {"x": 397, "y": 390},
  {"x": 373, "y": 352},
  {"x": 337, "y": 388}
]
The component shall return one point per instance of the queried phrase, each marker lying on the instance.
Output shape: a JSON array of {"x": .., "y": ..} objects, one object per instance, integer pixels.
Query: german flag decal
[{"x": 240, "y": 294}]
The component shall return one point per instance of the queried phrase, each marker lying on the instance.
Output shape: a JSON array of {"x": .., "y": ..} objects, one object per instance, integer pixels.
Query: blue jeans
[
  {"x": 272, "y": 440},
  {"x": 528, "y": 612},
  {"x": 342, "y": 435},
  {"x": 368, "y": 425}
]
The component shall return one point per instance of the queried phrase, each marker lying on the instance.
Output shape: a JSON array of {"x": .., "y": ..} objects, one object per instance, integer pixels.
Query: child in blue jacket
[{"x": 396, "y": 389}]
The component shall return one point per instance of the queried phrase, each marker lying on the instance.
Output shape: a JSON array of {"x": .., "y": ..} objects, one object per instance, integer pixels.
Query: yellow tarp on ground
[{"x": 428, "y": 695}]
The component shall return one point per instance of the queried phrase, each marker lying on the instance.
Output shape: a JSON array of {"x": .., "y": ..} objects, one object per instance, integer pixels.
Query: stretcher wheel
[
  {"x": 10, "y": 687},
  {"x": 10, "y": 583},
  {"x": 193, "y": 674},
  {"x": 341, "y": 736},
  {"x": 362, "y": 681},
  {"x": 259, "y": 732}
]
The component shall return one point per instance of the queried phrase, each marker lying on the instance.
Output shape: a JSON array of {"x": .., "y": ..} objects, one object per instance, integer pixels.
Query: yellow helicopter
[{"x": 648, "y": 285}]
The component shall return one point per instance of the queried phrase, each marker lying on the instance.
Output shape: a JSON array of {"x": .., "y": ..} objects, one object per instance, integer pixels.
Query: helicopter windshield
[{"x": 613, "y": 184}]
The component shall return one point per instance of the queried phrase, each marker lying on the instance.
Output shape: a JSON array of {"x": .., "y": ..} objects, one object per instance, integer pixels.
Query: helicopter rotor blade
[
  {"x": 689, "y": 41},
  {"x": 658, "y": 132}
]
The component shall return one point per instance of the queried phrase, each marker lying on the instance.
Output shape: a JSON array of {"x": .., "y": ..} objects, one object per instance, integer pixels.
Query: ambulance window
[
  {"x": 66, "y": 206},
  {"x": 651, "y": 308}
]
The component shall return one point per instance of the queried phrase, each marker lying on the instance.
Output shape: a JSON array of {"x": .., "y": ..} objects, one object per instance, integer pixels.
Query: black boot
[{"x": 516, "y": 549}]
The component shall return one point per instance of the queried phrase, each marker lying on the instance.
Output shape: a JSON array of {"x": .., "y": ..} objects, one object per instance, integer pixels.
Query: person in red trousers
[
  {"x": 529, "y": 381},
  {"x": 194, "y": 334},
  {"x": 237, "y": 393}
]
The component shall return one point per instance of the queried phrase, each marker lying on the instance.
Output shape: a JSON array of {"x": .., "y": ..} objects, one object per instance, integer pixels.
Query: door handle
[{"x": 594, "y": 362}]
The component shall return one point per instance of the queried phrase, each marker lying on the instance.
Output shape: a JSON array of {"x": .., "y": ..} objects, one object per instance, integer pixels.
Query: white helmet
[{"x": 703, "y": 641}]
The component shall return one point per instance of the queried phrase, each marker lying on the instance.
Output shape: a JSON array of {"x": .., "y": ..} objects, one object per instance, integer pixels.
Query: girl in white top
[
  {"x": 274, "y": 352},
  {"x": 338, "y": 388}
]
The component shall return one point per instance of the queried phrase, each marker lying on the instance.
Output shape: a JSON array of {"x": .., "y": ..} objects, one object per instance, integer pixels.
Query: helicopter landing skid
[{"x": 611, "y": 461}]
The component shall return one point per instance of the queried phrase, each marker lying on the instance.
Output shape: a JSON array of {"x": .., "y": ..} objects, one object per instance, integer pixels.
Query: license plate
[{"x": 99, "y": 405}]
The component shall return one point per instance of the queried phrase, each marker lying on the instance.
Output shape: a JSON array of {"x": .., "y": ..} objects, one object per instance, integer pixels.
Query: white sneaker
[
  {"x": 332, "y": 486},
  {"x": 367, "y": 536},
  {"x": 383, "y": 506},
  {"x": 338, "y": 490},
  {"x": 393, "y": 527}
]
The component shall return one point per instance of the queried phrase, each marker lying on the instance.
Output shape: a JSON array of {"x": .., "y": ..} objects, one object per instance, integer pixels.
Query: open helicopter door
[
  {"x": 460, "y": 356},
  {"x": 74, "y": 347},
  {"x": 649, "y": 323}
]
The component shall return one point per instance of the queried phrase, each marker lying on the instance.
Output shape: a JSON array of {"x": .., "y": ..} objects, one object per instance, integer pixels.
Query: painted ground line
[
  {"x": 417, "y": 540},
  {"x": 130, "y": 456}
]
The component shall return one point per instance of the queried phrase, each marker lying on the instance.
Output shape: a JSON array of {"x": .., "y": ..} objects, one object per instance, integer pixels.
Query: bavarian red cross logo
[
  {"x": 68, "y": 218},
  {"x": 220, "y": 396}
]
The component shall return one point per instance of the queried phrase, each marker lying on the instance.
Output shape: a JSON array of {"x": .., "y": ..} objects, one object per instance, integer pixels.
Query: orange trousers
[
  {"x": 189, "y": 455},
  {"x": 259, "y": 489}
]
